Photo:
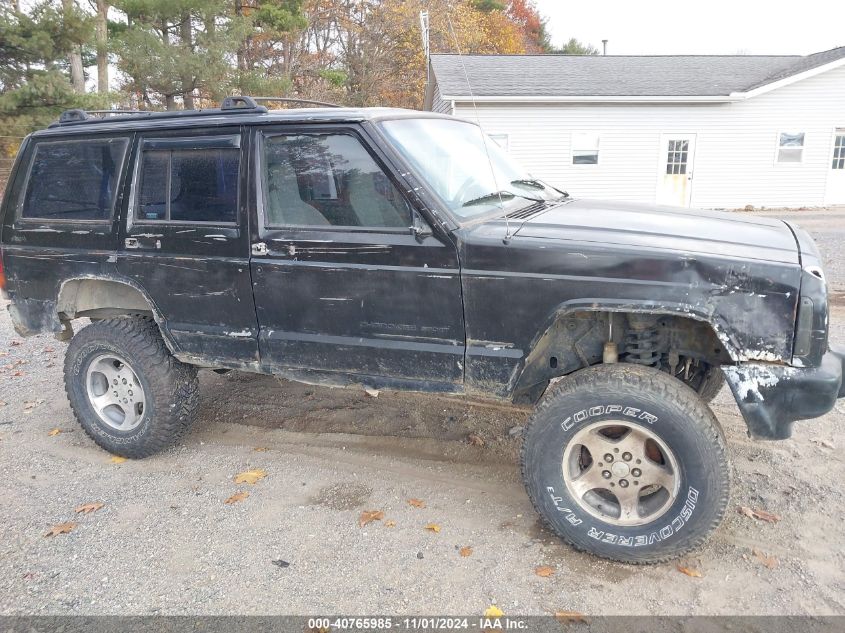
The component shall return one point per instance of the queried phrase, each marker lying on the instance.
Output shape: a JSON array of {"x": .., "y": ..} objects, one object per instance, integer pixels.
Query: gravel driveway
[{"x": 165, "y": 542}]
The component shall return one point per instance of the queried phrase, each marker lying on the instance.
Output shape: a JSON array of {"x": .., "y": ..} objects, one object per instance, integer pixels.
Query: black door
[
  {"x": 187, "y": 243},
  {"x": 341, "y": 284}
]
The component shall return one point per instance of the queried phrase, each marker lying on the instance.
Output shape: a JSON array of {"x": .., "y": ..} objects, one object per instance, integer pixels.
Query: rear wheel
[
  {"x": 627, "y": 463},
  {"x": 131, "y": 396}
]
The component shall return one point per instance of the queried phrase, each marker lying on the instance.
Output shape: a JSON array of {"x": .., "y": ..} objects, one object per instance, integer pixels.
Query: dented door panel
[{"x": 198, "y": 272}]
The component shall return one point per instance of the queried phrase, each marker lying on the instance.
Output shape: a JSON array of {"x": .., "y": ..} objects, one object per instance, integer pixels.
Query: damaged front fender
[{"x": 772, "y": 397}]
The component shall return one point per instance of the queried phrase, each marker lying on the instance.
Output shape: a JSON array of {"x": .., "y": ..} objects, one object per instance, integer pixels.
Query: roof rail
[
  {"x": 292, "y": 100},
  {"x": 231, "y": 105}
]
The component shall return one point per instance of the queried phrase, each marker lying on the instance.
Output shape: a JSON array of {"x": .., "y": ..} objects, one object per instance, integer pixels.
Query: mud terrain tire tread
[
  {"x": 624, "y": 377},
  {"x": 171, "y": 387}
]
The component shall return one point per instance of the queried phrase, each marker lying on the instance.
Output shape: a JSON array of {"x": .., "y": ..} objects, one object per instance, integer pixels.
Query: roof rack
[
  {"x": 231, "y": 105},
  {"x": 292, "y": 100}
]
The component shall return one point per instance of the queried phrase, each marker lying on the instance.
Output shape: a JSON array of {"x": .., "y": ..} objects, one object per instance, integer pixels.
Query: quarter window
[
  {"x": 196, "y": 185},
  {"x": 328, "y": 180},
  {"x": 839, "y": 150},
  {"x": 585, "y": 149},
  {"x": 790, "y": 147},
  {"x": 74, "y": 180}
]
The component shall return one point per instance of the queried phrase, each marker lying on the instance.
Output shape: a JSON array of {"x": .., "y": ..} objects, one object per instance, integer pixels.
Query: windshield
[{"x": 451, "y": 156}]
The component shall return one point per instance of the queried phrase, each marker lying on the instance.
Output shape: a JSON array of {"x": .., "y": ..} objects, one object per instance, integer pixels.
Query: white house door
[
  {"x": 835, "y": 192},
  {"x": 675, "y": 169}
]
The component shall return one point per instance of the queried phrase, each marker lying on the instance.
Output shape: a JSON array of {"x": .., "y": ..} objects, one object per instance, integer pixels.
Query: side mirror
[{"x": 419, "y": 227}]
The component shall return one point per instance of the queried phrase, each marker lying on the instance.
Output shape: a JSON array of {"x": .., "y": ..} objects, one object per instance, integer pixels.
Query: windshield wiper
[
  {"x": 497, "y": 195},
  {"x": 529, "y": 182}
]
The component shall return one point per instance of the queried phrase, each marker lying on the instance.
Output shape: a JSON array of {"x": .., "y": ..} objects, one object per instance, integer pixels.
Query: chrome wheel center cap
[{"x": 620, "y": 469}]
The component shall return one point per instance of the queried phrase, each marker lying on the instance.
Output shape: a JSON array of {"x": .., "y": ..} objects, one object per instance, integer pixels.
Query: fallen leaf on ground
[
  {"x": 433, "y": 527},
  {"x": 371, "y": 392},
  {"x": 770, "y": 562},
  {"x": 569, "y": 616},
  {"x": 117, "y": 459},
  {"x": 29, "y": 405},
  {"x": 61, "y": 528},
  {"x": 821, "y": 442},
  {"x": 54, "y": 432},
  {"x": 280, "y": 563},
  {"x": 49, "y": 350},
  {"x": 250, "y": 476},
  {"x": 689, "y": 571},
  {"x": 493, "y": 612},
  {"x": 15, "y": 343},
  {"x": 475, "y": 439},
  {"x": 238, "y": 496},
  {"x": 390, "y": 523},
  {"x": 544, "y": 571},
  {"x": 260, "y": 449},
  {"x": 417, "y": 503},
  {"x": 465, "y": 551},
  {"x": 18, "y": 374},
  {"x": 368, "y": 516},
  {"x": 3, "y": 404},
  {"x": 87, "y": 508},
  {"x": 760, "y": 515}
]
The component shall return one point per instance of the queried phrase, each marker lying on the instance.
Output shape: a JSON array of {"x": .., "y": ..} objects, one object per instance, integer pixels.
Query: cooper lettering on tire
[{"x": 626, "y": 462}]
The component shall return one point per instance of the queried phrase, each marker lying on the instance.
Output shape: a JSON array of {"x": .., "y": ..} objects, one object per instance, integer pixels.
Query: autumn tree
[{"x": 573, "y": 47}]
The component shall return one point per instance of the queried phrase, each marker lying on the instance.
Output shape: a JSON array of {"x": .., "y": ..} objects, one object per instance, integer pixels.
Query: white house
[{"x": 701, "y": 131}]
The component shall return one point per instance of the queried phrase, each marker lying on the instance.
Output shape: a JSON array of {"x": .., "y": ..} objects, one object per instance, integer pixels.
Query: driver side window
[{"x": 328, "y": 180}]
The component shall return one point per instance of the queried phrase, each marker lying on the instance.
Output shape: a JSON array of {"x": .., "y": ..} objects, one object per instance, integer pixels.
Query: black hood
[{"x": 734, "y": 235}]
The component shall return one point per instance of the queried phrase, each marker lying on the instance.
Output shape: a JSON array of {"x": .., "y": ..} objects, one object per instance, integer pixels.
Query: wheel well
[
  {"x": 100, "y": 298},
  {"x": 576, "y": 340}
]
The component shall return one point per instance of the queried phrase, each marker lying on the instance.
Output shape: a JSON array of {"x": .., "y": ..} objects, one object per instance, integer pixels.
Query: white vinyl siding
[{"x": 737, "y": 145}]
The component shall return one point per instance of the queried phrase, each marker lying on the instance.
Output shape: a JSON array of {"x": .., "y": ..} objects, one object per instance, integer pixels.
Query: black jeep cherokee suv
[{"x": 401, "y": 249}]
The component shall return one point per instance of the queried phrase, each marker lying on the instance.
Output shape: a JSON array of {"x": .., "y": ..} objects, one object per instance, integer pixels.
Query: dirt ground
[{"x": 165, "y": 541}]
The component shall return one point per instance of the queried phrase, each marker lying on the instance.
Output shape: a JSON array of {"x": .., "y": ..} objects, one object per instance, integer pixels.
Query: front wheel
[{"x": 627, "y": 463}]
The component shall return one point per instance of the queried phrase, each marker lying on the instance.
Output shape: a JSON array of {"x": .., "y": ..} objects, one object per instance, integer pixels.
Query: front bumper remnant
[{"x": 772, "y": 397}]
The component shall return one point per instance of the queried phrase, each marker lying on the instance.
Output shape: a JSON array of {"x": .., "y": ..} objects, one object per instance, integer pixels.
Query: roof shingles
[{"x": 616, "y": 75}]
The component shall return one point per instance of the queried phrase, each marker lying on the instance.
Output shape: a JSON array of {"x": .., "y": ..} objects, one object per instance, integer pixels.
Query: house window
[
  {"x": 677, "y": 156},
  {"x": 790, "y": 147},
  {"x": 500, "y": 139},
  {"x": 585, "y": 149},
  {"x": 839, "y": 150}
]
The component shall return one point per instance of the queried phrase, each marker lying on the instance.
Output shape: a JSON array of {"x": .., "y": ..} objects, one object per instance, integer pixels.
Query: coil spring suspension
[{"x": 641, "y": 347}]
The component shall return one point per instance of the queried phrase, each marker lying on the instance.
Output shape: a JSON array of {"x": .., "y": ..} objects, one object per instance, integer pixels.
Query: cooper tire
[
  {"x": 129, "y": 394},
  {"x": 609, "y": 407}
]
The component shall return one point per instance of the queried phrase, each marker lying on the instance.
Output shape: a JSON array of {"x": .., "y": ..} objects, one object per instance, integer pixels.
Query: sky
[{"x": 699, "y": 27}]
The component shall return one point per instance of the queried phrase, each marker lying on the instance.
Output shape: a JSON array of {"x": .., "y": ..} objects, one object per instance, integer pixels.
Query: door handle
[
  {"x": 131, "y": 242},
  {"x": 259, "y": 248}
]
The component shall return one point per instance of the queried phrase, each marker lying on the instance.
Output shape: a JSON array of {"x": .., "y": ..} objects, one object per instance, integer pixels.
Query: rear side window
[
  {"x": 74, "y": 180},
  {"x": 188, "y": 184}
]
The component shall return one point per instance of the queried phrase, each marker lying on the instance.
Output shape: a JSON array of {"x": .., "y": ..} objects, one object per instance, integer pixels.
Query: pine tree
[{"x": 176, "y": 50}]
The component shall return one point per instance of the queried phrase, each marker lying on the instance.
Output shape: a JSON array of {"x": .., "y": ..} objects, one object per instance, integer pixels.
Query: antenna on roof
[{"x": 481, "y": 128}]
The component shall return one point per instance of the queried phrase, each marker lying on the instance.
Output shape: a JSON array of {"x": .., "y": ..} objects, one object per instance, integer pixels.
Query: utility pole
[
  {"x": 425, "y": 43},
  {"x": 604, "y": 47}
]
